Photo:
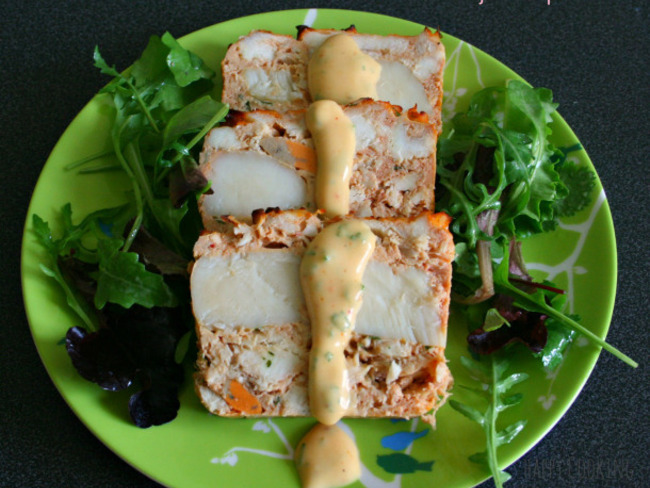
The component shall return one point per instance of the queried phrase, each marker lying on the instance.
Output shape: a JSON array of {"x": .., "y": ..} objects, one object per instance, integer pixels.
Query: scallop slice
[
  {"x": 399, "y": 306},
  {"x": 249, "y": 290},
  {"x": 271, "y": 86},
  {"x": 405, "y": 147},
  {"x": 398, "y": 85},
  {"x": 263, "y": 288},
  {"x": 244, "y": 181}
]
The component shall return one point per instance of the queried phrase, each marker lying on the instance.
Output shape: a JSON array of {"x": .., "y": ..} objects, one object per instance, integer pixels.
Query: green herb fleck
[{"x": 341, "y": 321}]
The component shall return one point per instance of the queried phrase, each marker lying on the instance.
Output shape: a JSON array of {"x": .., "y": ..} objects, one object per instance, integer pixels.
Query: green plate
[{"x": 198, "y": 449}]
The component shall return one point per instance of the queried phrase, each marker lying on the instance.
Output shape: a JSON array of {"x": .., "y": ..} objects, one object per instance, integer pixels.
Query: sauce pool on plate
[{"x": 327, "y": 457}]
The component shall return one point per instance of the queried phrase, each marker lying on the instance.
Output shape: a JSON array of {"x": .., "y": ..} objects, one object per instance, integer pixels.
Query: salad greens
[
  {"x": 164, "y": 99},
  {"x": 502, "y": 180},
  {"x": 497, "y": 385},
  {"x": 124, "y": 269}
]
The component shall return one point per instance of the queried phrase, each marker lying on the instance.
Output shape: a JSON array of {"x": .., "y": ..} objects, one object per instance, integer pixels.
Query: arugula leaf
[
  {"x": 103, "y": 66},
  {"x": 494, "y": 320},
  {"x": 150, "y": 68},
  {"x": 502, "y": 180},
  {"x": 75, "y": 302},
  {"x": 186, "y": 66},
  {"x": 122, "y": 279},
  {"x": 161, "y": 112},
  {"x": 199, "y": 116},
  {"x": 559, "y": 339},
  {"x": 495, "y": 387},
  {"x": 523, "y": 181},
  {"x": 161, "y": 104}
]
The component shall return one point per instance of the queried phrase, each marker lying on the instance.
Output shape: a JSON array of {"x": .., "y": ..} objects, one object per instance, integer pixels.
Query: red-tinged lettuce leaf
[
  {"x": 516, "y": 265},
  {"x": 525, "y": 327},
  {"x": 183, "y": 183},
  {"x": 136, "y": 345},
  {"x": 79, "y": 275},
  {"x": 157, "y": 403},
  {"x": 157, "y": 257},
  {"x": 123, "y": 280},
  {"x": 100, "y": 358},
  {"x": 151, "y": 337},
  {"x": 154, "y": 406}
]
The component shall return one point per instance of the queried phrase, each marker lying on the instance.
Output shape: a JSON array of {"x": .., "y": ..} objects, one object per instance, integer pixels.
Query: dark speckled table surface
[{"x": 593, "y": 54}]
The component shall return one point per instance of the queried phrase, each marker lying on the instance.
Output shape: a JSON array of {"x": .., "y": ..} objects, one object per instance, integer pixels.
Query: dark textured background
[{"x": 593, "y": 54}]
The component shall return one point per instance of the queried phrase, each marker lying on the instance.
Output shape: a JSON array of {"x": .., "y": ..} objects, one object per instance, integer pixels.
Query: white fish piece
[{"x": 244, "y": 181}]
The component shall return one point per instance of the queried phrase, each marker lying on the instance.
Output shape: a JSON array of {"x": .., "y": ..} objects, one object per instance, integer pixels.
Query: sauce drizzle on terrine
[
  {"x": 338, "y": 70},
  {"x": 332, "y": 267}
]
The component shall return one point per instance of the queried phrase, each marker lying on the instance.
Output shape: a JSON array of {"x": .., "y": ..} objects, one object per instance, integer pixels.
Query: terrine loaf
[
  {"x": 265, "y": 159},
  {"x": 254, "y": 332}
]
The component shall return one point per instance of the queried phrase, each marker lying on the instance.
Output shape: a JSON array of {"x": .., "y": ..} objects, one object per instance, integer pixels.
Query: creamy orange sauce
[
  {"x": 338, "y": 70},
  {"x": 331, "y": 272},
  {"x": 327, "y": 457},
  {"x": 334, "y": 138}
]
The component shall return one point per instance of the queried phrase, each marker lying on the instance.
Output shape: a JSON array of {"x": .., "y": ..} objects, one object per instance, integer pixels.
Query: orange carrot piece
[
  {"x": 240, "y": 399},
  {"x": 305, "y": 156}
]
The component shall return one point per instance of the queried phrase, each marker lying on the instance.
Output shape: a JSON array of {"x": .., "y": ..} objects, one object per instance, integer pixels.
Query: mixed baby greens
[
  {"x": 502, "y": 180},
  {"x": 124, "y": 269}
]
